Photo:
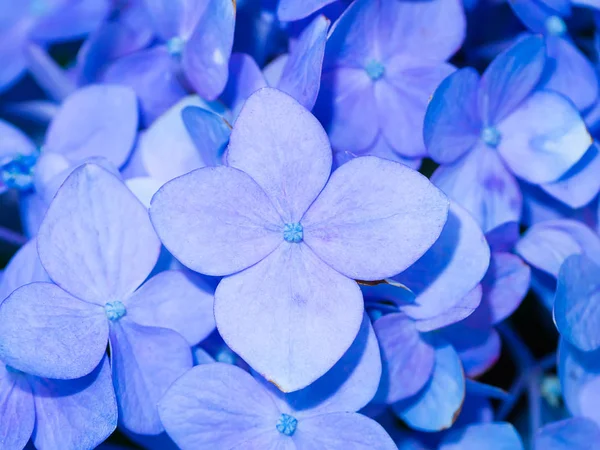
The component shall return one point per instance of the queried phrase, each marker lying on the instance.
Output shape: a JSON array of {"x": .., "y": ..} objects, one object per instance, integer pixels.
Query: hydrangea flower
[
  {"x": 487, "y": 131},
  {"x": 383, "y": 61},
  {"x": 290, "y": 239},
  {"x": 565, "y": 59},
  {"x": 219, "y": 405},
  {"x": 288, "y": 10},
  {"x": 492, "y": 436},
  {"x": 198, "y": 38},
  {"x": 97, "y": 244}
]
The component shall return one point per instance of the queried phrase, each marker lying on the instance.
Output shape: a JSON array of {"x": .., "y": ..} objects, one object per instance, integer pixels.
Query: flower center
[
  {"x": 491, "y": 136},
  {"x": 115, "y": 310},
  {"x": 555, "y": 26},
  {"x": 17, "y": 172},
  {"x": 287, "y": 424},
  {"x": 293, "y": 232},
  {"x": 375, "y": 70},
  {"x": 175, "y": 46}
]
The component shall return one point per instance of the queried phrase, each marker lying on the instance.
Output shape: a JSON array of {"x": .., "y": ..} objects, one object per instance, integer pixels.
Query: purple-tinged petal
[
  {"x": 574, "y": 433},
  {"x": 24, "y": 268},
  {"x": 65, "y": 338},
  {"x": 277, "y": 314},
  {"x": 543, "y": 138},
  {"x": 510, "y": 78},
  {"x": 577, "y": 302},
  {"x": 166, "y": 148},
  {"x": 346, "y": 105},
  {"x": 452, "y": 124},
  {"x": 455, "y": 313},
  {"x": 115, "y": 247},
  {"x": 503, "y": 238},
  {"x": 17, "y": 411},
  {"x": 382, "y": 149},
  {"x": 402, "y": 96},
  {"x": 481, "y": 183},
  {"x": 580, "y": 184},
  {"x": 579, "y": 374},
  {"x": 478, "y": 346},
  {"x": 547, "y": 244},
  {"x": 359, "y": 433},
  {"x": 284, "y": 149},
  {"x": 153, "y": 75},
  {"x": 209, "y": 131},
  {"x": 352, "y": 227},
  {"x": 177, "y": 300},
  {"x": 74, "y": 414},
  {"x": 217, "y": 405},
  {"x": 290, "y": 10},
  {"x": 98, "y": 120},
  {"x": 205, "y": 57},
  {"x": 227, "y": 225},
  {"x": 408, "y": 359},
  {"x": 450, "y": 269},
  {"x": 347, "y": 387},
  {"x": 13, "y": 141},
  {"x": 565, "y": 62},
  {"x": 436, "y": 407},
  {"x": 145, "y": 362},
  {"x": 245, "y": 78},
  {"x": 505, "y": 285},
  {"x": 491, "y": 436},
  {"x": 301, "y": 76}
]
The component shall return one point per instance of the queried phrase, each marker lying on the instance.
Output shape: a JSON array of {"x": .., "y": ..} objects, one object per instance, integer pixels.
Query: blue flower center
[
  {"x": 293, "y": 232},
  {"x": 115, "y": 310},
  {"x": 555, "y": 26},
  {"x": 17, "y": 171},
  {"x": 491, "y": 136},
  {"x": 287, "y": 424},
  {"x": 175, "y": 46},
  {"x": 375, "y": 69}
]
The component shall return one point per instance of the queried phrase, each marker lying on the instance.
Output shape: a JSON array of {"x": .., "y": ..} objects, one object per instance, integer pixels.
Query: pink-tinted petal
[
  {"x": 374, "y": 218},
  {"x": 145, "y": 362},
  {"x": 229, "y": 223},
  {"x": 65, "y": 338},
  {"x": 96, "y": 240},
  {"x": 277, "y": 314},
  {"x": 283, "y": 148},
  {"x": 177, "y": 300}
]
